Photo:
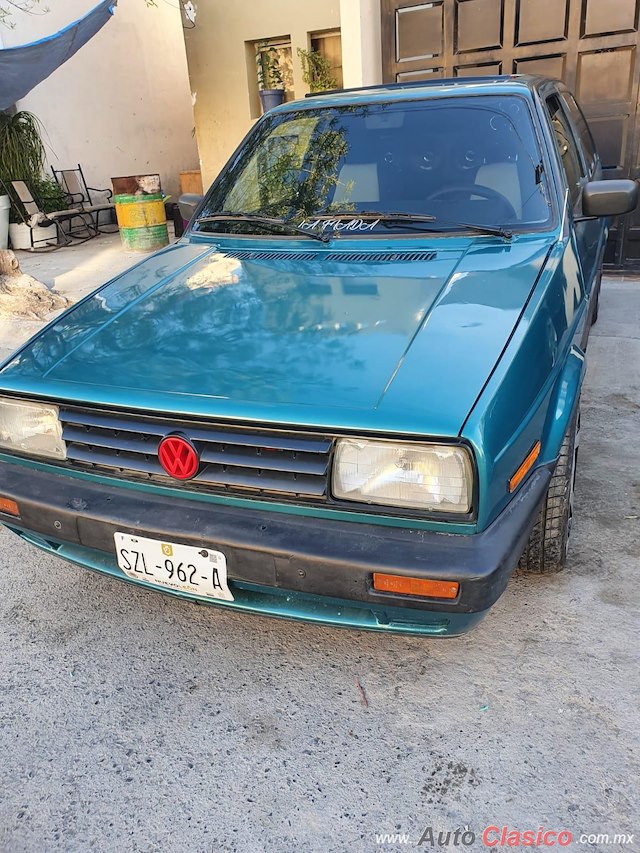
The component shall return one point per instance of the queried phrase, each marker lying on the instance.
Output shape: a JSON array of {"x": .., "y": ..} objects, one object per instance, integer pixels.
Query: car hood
[{"x": 318, "y": 337}]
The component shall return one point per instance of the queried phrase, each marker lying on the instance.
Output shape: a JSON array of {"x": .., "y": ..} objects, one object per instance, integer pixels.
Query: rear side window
[
  {"x": 567, "y": 147},
  {"x": 582, "y": 129}
]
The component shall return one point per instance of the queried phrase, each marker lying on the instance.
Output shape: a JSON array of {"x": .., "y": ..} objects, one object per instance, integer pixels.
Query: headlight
[
  {"x": 419, "y": 476},
  {"x": 31, "y": 428}
]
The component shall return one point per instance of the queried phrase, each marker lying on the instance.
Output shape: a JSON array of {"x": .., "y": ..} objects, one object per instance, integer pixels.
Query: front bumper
[{"x": 279, "y": 564}]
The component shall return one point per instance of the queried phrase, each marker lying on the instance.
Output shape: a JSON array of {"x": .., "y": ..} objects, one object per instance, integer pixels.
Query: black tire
[{"x": 546, "y": 551}]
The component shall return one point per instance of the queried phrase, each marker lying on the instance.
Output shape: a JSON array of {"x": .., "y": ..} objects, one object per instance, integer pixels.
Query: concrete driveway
[{"x": 131, "y": 721}]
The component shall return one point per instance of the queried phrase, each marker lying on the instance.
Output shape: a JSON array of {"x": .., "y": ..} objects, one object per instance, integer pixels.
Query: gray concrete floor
[{"x": 131, "y": 721}]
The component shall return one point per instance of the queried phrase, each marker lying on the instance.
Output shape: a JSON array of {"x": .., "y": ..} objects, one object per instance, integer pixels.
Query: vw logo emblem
[{"x": 178, "y": 457}]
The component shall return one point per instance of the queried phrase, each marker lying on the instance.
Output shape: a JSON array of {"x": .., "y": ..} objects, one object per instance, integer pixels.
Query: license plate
[{"x": 199, "y": 571}]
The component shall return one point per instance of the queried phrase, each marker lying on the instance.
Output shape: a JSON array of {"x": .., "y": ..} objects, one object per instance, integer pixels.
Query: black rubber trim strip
[{"x": 294, "y": 552}]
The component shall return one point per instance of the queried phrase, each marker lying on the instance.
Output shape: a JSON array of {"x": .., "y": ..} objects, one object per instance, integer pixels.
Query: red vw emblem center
[{"x": 178, "y": 457}]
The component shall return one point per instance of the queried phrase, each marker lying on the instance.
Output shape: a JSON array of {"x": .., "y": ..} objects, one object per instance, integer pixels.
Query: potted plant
[
  {"x": 50, "y": 196},
  {"x": 270, "y": 76},
  {"x": 316, "y": 71},
  {"x": 22, "y": 158},
  {"x": 5, "y": 205},
  {"x": 21, "y": 234}
]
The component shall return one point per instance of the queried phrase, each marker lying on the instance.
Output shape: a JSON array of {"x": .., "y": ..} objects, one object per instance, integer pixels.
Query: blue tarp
[{"x": 22, "y": 68}]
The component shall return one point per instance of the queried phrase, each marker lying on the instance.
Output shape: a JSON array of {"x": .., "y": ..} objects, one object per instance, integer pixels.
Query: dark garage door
[{"x": 590, "y": 44}]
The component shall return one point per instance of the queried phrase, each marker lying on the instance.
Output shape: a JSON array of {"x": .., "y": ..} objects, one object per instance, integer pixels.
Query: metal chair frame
[
  {"x": 80, "y": 195},
  {"x": 29, "y": 205}
]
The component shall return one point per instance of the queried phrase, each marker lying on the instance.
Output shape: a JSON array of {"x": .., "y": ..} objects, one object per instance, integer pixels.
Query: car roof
[{"x": 427, "y": 89}]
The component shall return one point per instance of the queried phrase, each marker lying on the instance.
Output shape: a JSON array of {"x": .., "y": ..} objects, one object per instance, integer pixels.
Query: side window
[
  {"x": 567, "y": 148},
  {"x": 582, "y": 128}
]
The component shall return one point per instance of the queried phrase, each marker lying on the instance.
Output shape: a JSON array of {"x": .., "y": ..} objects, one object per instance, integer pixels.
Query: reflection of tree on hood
[
  {"x": 218, "y": 271},
  {"x": 253, "y": 330}
]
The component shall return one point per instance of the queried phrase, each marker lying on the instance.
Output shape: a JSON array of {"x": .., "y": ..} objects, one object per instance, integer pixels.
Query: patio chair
[
  {"x": 78, "y": 193},
  {"x": 33, "y": 216}
]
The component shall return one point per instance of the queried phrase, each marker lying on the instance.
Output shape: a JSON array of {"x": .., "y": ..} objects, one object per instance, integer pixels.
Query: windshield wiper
[
  {"x": 438, "y": 224},
  {"x": 269, "y": 222},
  {"x": 498, "y": 230},
  {"x": 374, "y": 214},
  {"x": 393, "y": 218}
]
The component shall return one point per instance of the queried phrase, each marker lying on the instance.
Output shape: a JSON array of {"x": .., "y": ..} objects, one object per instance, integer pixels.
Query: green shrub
[
  {"x": 22, "y": 157},
  {"x": 50, "y": 193},
  {"x": 316, "y": 71},
  {"x": 21, "y": 147}
]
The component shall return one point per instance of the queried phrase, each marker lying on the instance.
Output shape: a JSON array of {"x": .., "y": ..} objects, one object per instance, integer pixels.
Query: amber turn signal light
[
  {"x": 415, "y": 586},
  {"x": 9, "y": 506},
  {"x": 520, "y": 474}
]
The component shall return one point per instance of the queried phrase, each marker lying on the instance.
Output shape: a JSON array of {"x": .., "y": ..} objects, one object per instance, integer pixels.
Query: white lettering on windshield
[{"x": 339, "y": 224}]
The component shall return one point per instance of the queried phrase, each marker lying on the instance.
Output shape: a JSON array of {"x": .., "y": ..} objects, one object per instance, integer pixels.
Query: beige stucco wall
[
  {"x": 122, "y": 104},
  {"x": 361, "y": 44},
  {"x": 219, "y": 69}
]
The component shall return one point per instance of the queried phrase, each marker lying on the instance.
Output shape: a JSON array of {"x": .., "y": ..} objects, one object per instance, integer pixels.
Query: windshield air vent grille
[
  {"x": 252, "y": 255},
  {"x": 379, "y": 257},
  {"x": 335, "y": 257}
]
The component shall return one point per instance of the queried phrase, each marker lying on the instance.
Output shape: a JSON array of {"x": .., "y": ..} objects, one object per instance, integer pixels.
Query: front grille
[{"x": 232, "y": 459}]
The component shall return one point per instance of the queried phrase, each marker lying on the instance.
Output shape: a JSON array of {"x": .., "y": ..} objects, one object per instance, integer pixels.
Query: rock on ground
[{"x": 22, "y": 295}]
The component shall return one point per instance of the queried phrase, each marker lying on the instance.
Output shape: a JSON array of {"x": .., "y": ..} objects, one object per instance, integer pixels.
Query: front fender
[
  {"x": 534, "y": 389},
  {"x": 562, "y": 404}
]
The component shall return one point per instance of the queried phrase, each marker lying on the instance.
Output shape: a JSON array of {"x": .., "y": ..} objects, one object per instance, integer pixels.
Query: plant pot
[
  {"x": 271, "y": 98},
  {"x": 21, "y": 239},
  {"x": 5, "y": 204}
]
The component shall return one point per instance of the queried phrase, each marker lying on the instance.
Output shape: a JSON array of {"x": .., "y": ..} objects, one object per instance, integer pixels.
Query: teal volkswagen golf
[{"x": 350, "y": 392}]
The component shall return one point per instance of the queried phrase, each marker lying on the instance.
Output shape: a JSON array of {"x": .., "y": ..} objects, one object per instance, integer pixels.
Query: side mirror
[
  {"x": 609, "y": 198},
  {"x": 188, "y": 204}
]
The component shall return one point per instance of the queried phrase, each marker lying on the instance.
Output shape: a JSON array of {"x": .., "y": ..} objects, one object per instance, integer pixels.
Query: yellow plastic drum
[{"x": 142, "y": 221}]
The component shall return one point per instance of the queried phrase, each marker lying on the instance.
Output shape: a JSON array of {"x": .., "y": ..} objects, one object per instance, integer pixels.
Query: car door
[
  {"x": 580, "y": 163},
  {"x": 597, "y": 229}
]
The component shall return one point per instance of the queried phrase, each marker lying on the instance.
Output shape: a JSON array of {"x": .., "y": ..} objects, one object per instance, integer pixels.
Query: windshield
[{"x": 454, "y": 161}]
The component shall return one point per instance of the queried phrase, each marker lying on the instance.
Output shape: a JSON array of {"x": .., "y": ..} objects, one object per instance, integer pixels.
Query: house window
[
  {"x": 329, "y": 45},
  {"x": 269, "y": 66},
  {"x": 274, "y": 65}
]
